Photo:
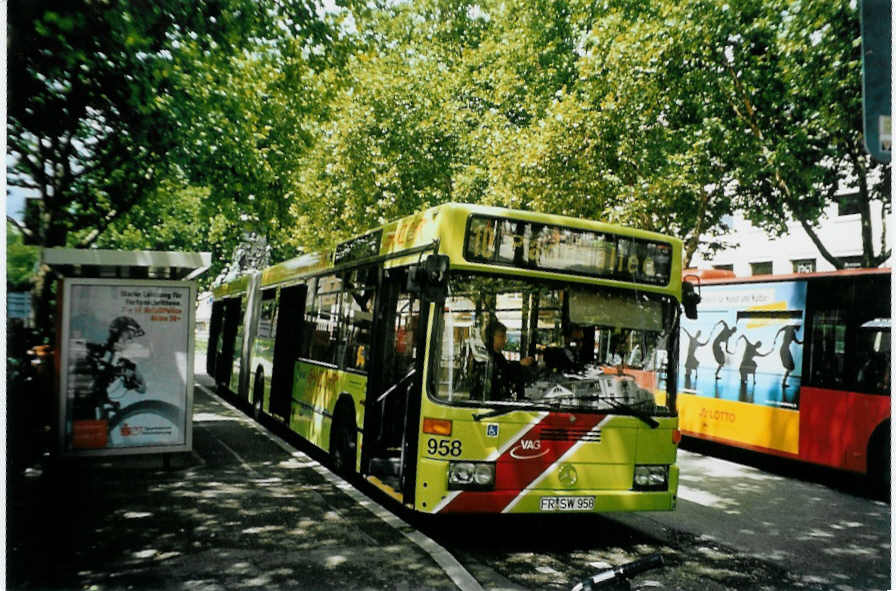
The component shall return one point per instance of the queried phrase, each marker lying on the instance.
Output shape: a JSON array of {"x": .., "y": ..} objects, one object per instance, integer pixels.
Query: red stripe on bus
[{"x": 529, "y": 457}]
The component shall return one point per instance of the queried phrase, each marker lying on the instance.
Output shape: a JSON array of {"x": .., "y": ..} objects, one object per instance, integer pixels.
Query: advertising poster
[
  {"x": 746, "y": 344},
  {"x": 126, "y": 365}
]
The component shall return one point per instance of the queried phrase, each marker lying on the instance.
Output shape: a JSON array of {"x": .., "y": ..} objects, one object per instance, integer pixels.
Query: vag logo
[{"x": 528, "y": 449}]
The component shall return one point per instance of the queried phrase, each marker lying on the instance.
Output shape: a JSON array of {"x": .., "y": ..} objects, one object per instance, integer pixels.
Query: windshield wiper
[
  {"x": 635, "y": 412},
  {"x": 496, "y": 412},
  {"x": 631, "y": 409}
]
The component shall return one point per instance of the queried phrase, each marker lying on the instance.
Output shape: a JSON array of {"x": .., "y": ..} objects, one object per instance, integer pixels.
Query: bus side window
[
  {"x": 267, "y": 321},
  {"x": 306, "y": 331},
  {"x": 230, "y": 335},
  {"x": 828, "y": 349},
  {"x": 238, "y": 345},
  {"x": 830, "y": 341},
  {"x": 873, "y": 357},
  {"x": 322, "y": 320},
  {"x": 871, "y": 365},
  {"x": 406, "y": 318},
  {"x": 214, "y": 336},
  {"x": 357, "y": 320}
]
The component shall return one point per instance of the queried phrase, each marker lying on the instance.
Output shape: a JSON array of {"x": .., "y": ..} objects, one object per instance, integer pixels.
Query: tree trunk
[
  {"x": 45, "y": 305},
  {"x": 691, "y": 244},
  {"x": 864, "y": 210},
  {"x": 55, "y": 235}
]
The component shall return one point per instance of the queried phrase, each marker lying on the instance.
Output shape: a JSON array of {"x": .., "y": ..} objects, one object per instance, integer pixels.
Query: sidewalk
[{"x": 239, "y": 512}]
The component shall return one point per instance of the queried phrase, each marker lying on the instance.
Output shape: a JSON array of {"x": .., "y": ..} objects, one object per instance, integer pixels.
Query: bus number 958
[{"x": 443, "y": 447}]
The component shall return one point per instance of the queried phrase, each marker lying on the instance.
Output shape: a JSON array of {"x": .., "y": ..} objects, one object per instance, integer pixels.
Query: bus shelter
[{"x": 125, "y": 335}]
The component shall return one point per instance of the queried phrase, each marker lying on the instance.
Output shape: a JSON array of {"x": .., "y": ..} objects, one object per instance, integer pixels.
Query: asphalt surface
[
  {"x": 240, "y": 511},
  {"x": 815, "y": 532},
  {"x": 246, "y": 510}
]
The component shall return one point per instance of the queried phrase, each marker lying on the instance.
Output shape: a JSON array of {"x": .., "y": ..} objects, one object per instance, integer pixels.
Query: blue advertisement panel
[{"x": 746, "y": 344}]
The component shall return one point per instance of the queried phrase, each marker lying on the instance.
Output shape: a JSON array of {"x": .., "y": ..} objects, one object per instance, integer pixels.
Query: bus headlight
[
  {"x": 484, "y": 474},
  {"x": 651, "y": 478},
  {"x": 471, "y": 475}
]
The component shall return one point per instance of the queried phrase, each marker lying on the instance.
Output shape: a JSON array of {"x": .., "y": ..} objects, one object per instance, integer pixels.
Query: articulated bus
[
  {"x": 472, "y": 359},
  {"x": 796, "y": 366}
]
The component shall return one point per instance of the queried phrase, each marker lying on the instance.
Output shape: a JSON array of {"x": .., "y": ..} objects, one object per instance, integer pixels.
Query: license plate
[{"x": 566, "y": 504}]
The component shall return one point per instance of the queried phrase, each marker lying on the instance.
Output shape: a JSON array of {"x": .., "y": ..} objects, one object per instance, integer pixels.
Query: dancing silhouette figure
[
  {"x": 691, "y": 363},
  {"x": 721, "y": 341},
  {"x": 786, "y": 357},
  {"x": 748, "y": 365}
]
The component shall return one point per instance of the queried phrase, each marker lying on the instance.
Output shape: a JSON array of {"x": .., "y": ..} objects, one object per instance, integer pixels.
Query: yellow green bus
[{"x": 472, "y": 359}]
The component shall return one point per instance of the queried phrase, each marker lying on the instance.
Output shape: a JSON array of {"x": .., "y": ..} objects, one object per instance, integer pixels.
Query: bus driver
[{"x": 506, "y": 376}]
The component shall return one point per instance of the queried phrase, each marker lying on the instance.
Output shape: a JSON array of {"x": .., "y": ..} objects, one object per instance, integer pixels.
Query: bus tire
[
  {"x": 258, "y": 393},
  {"x": 879, "y": 474},
  {"x": 344, "y": 440}
]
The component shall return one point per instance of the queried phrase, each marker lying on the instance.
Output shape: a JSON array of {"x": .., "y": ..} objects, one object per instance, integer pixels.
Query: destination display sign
[
  {"x": 545, "y": 247},
  {"x": 358, "y": 248}
]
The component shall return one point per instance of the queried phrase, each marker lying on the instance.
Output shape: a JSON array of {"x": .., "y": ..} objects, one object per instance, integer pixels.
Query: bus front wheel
[
  {"x": 344, "y": 441},
  {"x": 879, "y": 474},
  {"x": 258, "y": 393}
]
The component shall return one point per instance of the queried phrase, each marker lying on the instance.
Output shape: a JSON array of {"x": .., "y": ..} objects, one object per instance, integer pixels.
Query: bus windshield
[{"x": 526, "y": 343}]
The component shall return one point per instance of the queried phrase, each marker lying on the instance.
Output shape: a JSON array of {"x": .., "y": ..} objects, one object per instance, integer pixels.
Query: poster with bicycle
[{"x": 126, "y": 366}]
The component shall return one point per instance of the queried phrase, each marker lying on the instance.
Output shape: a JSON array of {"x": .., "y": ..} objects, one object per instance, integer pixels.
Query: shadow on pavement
[{"x": 239, "y": 512}]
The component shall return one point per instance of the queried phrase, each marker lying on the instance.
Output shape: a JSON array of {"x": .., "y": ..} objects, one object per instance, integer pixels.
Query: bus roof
[
  {"x": 727, "y": 277},
  {"x": 403, "y": 241}
]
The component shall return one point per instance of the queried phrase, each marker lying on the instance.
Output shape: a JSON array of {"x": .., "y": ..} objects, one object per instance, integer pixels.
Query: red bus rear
[{"x": 795, "y": 366}]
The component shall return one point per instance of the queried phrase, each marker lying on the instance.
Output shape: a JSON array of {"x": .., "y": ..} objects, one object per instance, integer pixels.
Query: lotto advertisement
[
  {"x": 126, "y": 366},
  {"x": 746, "y": 344}
]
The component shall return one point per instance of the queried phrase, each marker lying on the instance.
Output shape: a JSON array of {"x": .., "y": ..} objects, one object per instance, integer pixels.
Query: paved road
[
  {"x": 736, "y": 528},
  {"x": 816, "y": 533},
  {"x": 244, "y": 511},
  {"x": 239, "y": 512}
]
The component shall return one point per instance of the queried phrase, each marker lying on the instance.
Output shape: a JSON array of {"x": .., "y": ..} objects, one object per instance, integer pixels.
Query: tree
[
  {"x": 102, "y": 100},
  {"x": 21, "y": 261},
  {"x": 307, "y": 126},
  {"x": 681, "y": 112},
  {"x": 85, "y": 128},
  {"x": 604, "y": 140},
  {"x": 785, "y": 88},
  {"x": 391, "y": 143},
  {"x": 101, "y": 94},
  {"x": 248, "y": 123}
]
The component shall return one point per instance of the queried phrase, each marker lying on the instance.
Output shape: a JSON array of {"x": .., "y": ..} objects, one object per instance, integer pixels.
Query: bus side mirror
[
  {"x": 429, "y": 280},
  {"x": 690, "y": 297}
]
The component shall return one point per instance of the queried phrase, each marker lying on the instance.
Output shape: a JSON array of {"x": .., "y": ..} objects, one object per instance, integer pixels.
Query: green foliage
[
  {"x": 99, "y": 101},
  {"x": 21, "y": 261},
  {"x": 782, "y": 96},
  {"x": 306, "y": 126},
  {"x": 247, "y": 123},
  {"x": 166, "y": 220},
  {"x": 389, "y": 149}
]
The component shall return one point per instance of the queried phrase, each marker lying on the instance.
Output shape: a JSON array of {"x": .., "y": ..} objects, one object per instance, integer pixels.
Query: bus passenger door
[
  {"x": 224, "y": 357},
  {"x": 214, "y": 338},
  {"x": 238, "y": 343},
  {"x": 286, "y": 347},
  {"x": 393, "y": 398}
]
